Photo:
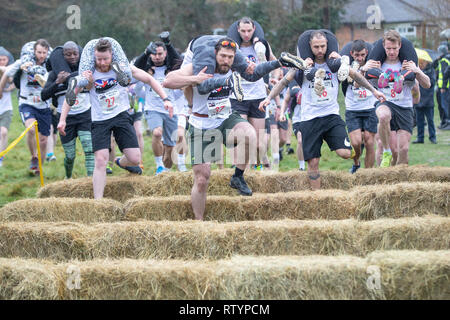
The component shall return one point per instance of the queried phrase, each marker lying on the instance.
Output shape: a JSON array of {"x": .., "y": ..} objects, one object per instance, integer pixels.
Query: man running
[
  {"x": 79, "y": 117},
  {"x": 360, "y": 115},
  {"x": 5, "y": 102},
  {"x": 396, "y": 114},
  {"x": 320, "y": 118},
  {"x": 109, "y": 105}
]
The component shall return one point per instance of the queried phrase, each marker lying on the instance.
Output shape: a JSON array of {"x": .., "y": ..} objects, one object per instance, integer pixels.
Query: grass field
[{"x": 16, "y": 183}]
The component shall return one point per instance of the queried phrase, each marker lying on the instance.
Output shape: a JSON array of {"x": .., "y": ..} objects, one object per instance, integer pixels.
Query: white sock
[
  {"x": 181, "y": 160},
  {"x": 159, "y": 162},
  {"x": 387, "y": 150},
  {"x": 301, "y": 164},
  {"x": 276, "y": 157}
]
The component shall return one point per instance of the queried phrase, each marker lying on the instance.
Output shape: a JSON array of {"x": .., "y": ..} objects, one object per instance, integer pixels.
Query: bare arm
[
  {"x": 62, "y": 119},
  {"x": 284, "y": 105},
  {"x": 416, "y": 92},
  {"x": 283, "y": 83},
  {"x": 364, "y": 83},
  {"x": 184, "y": 77},
  {"x": 424, "y": 80}
]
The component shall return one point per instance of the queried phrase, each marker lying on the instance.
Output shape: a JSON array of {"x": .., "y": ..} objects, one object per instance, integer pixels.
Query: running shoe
[
  {"x": 234, "y": 81},
  {"x": 109, "y": 169},
  {"x": 131, "y": 169},
  {"x": 386, "y": 160},
  {"x": 40, "y": 79},
  {"x": 71, "y": 96},
  {"x": 165, "y": 37},
  {"x": 50, "y": 157},
  {"x": 280, "y": 151},
  {"x": 354, "y": 168},
  {"x": 344, "y": 69},
  {"x": 240, "y": 184},
  {"x": 355, "y": 66},
  {"x": 260, "y": 50},
  {"x": 301, "y": 169},
  {"x": 289, "y": 60},
  {"x": 383, "y": 80},
  {"x": 290, "y": 150},
  {"x": 34, "y": 166},
  {"x": 398, "y": 82},
  {"x": 122, "y": 77},
  {"x": 160, "y": 170},
  {"x": 319, "y": 85}
]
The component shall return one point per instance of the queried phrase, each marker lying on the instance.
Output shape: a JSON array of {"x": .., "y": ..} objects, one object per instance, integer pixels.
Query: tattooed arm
[{"x": 364, "y": 83}]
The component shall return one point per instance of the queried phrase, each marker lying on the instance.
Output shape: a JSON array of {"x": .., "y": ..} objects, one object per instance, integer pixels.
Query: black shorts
[
  {"x": 76, "y": 123},
  {"x": 280, "y": 125},
  {"x": 330, "y": 128},
  {"x": 135, "y": 116},
  {"x": 401, "y": 118},
  {"x": 366, "y": 120},
  {"x": 248, "y": 107},
  {"x": 122, "y": 128},
  {"x": 43, "y": 117},
  {"x": 296, "y": 128},
  {"x": 55, "y": 120}
]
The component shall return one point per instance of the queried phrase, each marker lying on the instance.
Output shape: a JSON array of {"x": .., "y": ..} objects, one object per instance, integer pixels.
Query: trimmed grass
[{"x": 16, "y": 182}]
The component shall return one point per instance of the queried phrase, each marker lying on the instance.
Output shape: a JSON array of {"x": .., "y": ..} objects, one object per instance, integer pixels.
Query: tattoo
[
  {"x": 362, "y": 81},
  {"x": 281, "y": 85},
  {"x": 314, "y": 176}
]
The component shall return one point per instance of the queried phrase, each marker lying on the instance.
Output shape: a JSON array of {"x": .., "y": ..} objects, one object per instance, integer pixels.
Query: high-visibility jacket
[{"x": 441, "y": 71}]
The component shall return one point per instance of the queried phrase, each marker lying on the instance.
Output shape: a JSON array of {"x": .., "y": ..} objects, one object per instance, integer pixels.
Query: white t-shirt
[
  {"x": 5, "y": 102},
  {"x": 314, "y": 106},
  {"x": 180, "y": 104},
  {"x": 82, "y": 103},
  {"x": 403, "y": 99},
  {"x": 357, "y": 99},
  {"x": 252, "y": 90},
  {"x": 30, "y": 92},
  {"x": 216, "y": 104},
  {"x": 108, "y": 98},
  {"x": 153, "y": 101}
]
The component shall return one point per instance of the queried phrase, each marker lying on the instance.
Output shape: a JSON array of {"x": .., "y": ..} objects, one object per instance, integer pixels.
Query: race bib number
[
  {"x": 324, "y": 98},
  {"x": 361, "y": 94},
  {"x": 109, "y": 101},
  {"x": 219, "y": 108},
  {"x": 390, "y": 93},
  {"x": 80, "y": 102}
]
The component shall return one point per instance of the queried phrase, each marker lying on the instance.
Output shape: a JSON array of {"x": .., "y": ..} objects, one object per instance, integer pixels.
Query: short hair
[
  {"x": 358, "y": 45},
  {"x": 219, "y": 44},
  {"x": 41, "y": 42},
  {"x": 246, "y": 20},
  {"x": 392, "y": 35},
  {"x": 160, "y": 44},
  {"x": 70, "y": 45},
  {"x": 103, "y": 45},
  {"x": 317, "y": 34}
]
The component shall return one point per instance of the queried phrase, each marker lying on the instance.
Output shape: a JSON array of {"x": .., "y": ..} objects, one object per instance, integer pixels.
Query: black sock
[{"x": 238, "y": 172}]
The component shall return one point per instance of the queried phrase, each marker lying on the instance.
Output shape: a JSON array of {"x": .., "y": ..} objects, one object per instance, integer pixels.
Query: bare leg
[{"x": 198, "y": 194}]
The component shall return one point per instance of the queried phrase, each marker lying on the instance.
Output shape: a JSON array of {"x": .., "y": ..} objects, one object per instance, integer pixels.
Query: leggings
[
  {"x": 205, "y": 56},
  {"x": 70, "y": 152},
  {"x": 87, "y": 61},
  {"x": 57, "y": 63},
  {"x": 234, "y": 34},
  {"x": 407, "y": 52}
]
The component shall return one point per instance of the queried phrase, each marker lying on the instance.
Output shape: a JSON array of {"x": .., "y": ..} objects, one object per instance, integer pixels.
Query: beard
[{"x": 223, "y": 68}]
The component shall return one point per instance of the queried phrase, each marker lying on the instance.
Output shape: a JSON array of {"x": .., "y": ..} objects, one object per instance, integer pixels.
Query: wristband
[{"x": 166, "y": 99}]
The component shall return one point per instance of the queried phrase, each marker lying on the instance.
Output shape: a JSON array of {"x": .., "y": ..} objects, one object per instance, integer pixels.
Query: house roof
[{"x": 392, "y": 11}]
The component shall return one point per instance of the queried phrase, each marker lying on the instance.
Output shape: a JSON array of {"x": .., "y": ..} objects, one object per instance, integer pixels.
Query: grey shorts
[
  {"x": 5, "y": 119},
  {"x": 366, "y": 120},
  {"x": 169, "y": 125}
]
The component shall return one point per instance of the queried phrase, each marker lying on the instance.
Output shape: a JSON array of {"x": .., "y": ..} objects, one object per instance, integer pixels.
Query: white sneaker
[
  {"x": 355, "y": 66},
  {"x": 319, "y": 85},
  {"x": 260, "y": 49},
  {"x": 344, "y": 69}
]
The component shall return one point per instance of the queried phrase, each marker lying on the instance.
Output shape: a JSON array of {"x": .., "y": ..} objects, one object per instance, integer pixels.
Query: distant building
[{"x": 420, "y": 21}]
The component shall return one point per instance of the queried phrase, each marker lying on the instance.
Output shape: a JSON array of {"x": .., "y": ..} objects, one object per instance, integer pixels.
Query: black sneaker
[
  {"x": 289, "y": 60},
  {"x": 131, "y": 169},
  {"x": 417, "y": 141},
  {"x": 165, "y": 37},
  {"x": 354, "y": 168},
  {"x": 290, "y": 150},
  {"x": 122, "y": 77},
  {"x": 234, "y": 81},
  {"x": 71, "y": 97},
  {"x": 280, "y": 151},
  {"x": 240, "y": 184},
  {"x": 433, "y": 141}
]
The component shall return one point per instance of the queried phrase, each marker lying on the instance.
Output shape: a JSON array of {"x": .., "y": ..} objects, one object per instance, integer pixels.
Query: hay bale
[
  {"x": 28, "y": 279},
  {"x": 400, "y": 200},
  {"x": 191, "y": 240},
  {"x": 293, "y": 205},
  {"x": 413, "y": 274},
  {"x": 40, "y": 240},
  {"x": 117, "y": 188},
  {"x": 63, "y": 209},
  {"x": 401, "y": 173}
]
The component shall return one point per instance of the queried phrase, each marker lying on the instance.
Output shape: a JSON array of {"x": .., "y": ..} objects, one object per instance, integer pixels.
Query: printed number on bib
[
  {"x": 80, "y": 101},
  {"x": 361, "y": 94},
  {"x": 219, "y": 109},
  {"x": 109, "y": 101},
  {"x": 324, "y": 98},
  {"x": 390, "y": 93}
]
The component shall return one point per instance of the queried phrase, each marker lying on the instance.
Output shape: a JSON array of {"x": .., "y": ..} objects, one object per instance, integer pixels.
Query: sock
[
  {"x": 238, "y": 172},
  {"x": 181, "y": 160},
  {"x": 387, "y": 150},
  {"x": 301, "y": 164},
  {"x": 49, "y": 154},
  {"x": 276, "y": 157},
  {"x": 159, "y": 162}
]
